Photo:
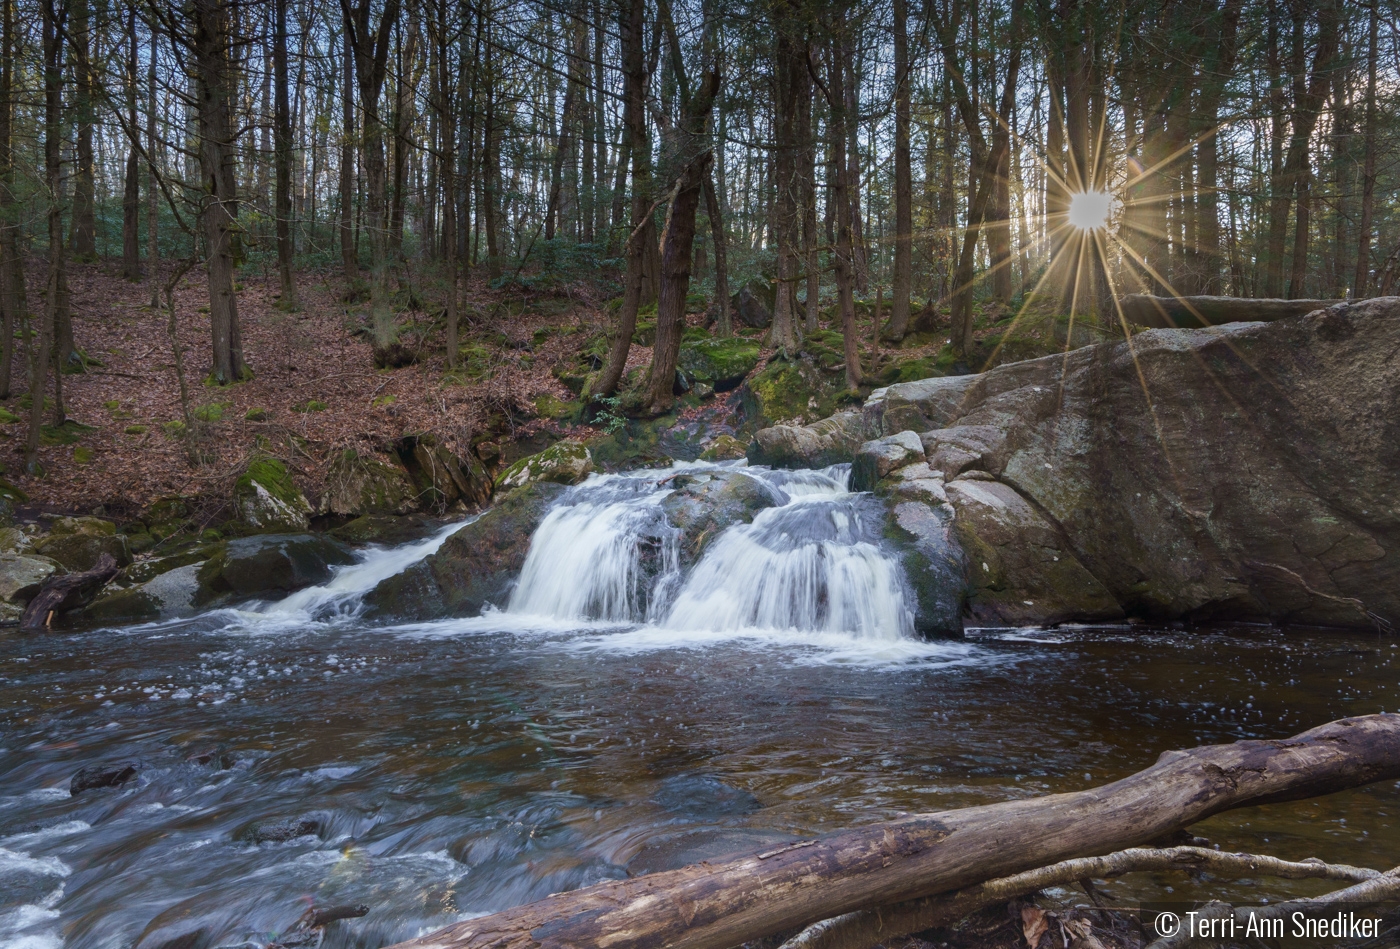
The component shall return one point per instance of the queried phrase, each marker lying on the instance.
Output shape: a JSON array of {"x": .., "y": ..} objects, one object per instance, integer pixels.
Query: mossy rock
[
  {"x": 722, "y": 363},
  {"x": 644, "y": 333},
  {"x": 266, "y": 500},
  {"x": 359, "y": 484},
  {"x": 386, "y": 529},
  {"x": 547, "y": 406},
  {"x": 724, "y": 448},
  {"x": 212, "y": 412},
  {"x": 143, "y": 571},
  {"x": 474, "y": 361},
  {"x": 568, "y": 462},
  {"x": 269, "y": 566},
  {"x": 257, "y": 415},
  {"x": 83, "y": 455},
  {"x": 174, "y": 428},
  {"x": 788, "y": 391},
  {"x": 79, "y": 552},
  {"x": 135, "y": 430},
  {"x": 827, "y": 348}
]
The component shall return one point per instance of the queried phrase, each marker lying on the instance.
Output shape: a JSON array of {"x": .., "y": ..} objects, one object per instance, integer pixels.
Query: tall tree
[
  {"x": 371, "y": 56},
  {"x": 131, "y": 192},
  {"x": 84, "y": 238},
  {"x": 282, "y": 148},
  {"x": 902, "y": 283},
  {"x": 1361, "y": 281},
  {"x": 12, "y": 296}
]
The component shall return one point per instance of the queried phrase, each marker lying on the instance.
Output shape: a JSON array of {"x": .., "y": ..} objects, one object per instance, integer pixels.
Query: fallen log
[
  {"x": 865, "y": 928},
  {"x": 1143, "y": 309},
  {"x": 68, "y": 592},
  {"x": 717, "y": 906}
]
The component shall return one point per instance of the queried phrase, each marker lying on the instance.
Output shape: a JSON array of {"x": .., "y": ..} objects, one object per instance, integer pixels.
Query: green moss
[
  {"x": 257, "y": 415},
  {"x": 644, "y": 334},
  {"x": 474, "y": 361},
  {"x": 722, "y": 363},
  {"x": 212, "y": 412},
  {"x": 174, "y": 428},
  {"x": 790, "y": 390},
  {"x": 385, "y": 400},
  {"x": 274, "y": 478},
  {"x": 567, "y": 462},
  {"x": 310, "y": 405},
  {"x": 7, "y": 417},
  {"x": 82, "y": 454},
  {"x": 547, "y": 406},
  {"x": 66, "y": 434}
]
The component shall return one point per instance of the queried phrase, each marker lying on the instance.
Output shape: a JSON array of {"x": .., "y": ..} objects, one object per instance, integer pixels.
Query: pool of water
[{"x": 438, "y": 771}]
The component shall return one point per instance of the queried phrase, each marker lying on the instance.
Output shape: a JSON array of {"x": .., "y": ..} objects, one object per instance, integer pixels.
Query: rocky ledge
[{"x": 1241, "y": 472}]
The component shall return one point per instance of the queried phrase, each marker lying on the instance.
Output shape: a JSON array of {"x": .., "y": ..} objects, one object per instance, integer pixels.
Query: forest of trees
[{"x": 924, "y": 154}]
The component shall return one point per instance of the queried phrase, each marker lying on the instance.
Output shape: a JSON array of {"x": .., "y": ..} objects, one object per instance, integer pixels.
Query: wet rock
[
  {"x": 720, "y": 363},
  {"x": 143, "y": 571},
  {"x": 704, "y": 504},
  {"x": 22, "y": 576},
  {"x": 1020, "y": 567},
  {"x": 921, "y": 530},
  {"x": 282, "y": 831},
  {"x": 79, "y": 551},
  {"x": 723, "y": 448},
  {"x": 269, "y": 565},
  {"x": 878, "y": 457},
  {"x": 831, "y": 441},
  {"x": 451, "y": 477},
  {"x": 479, "y": 564},
  {"x": 15, "y": 541},
  {"x": 102, "y": 776},
  {"x": 567, "y": 462},
  {"x": 11, "y": 498},
  {"x": 359, "y": 484},
  {"x": 386, "y": 530},
  {"x": 1259, "y": 483},
  {"x": 171, "y": 594},
  {"x": 266, "y": 501}
]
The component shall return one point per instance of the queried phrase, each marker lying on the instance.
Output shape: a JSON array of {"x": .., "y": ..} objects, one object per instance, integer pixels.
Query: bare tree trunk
[
  {"x": 282, "y": 146},
  {"x": 131, "y": 191},
  {"x": 348, "y": 158},
  {"x": 84, "y": 237},
  {"x": 371, "y": 52},
  {"x": 211, "y": 49},
  {"x": 724, "y": 324},
  {"x": 643, "y": 231},
  {"x": 448, "y": 129},
  {"x": 718, "y": 905},
  {"x": 844, "y": 251},
  {"x": 12, "y": 296},
  {"x": 53, "y": 28},
  {"x": 1308, "y": 106},
  {"x": 152, "y": 175},
  {"x": 1361, "y": 282},
  {"x": 901, "y": 285},
  {"x": 791, "y": 83}
]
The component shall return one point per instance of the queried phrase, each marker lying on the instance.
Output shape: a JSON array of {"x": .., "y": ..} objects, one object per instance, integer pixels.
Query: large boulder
[
  {"x": 1243, "y": 471},
  {"x": 267, "y": 501},
  {"x": 703, "y": 504},
  {"x": 880, "y": 456},
  {"x": 451, "y": 477},
  {"x": 719, "y": 363},
  {"x": 358, "y": 484},
  {"x": 477, "y": 565},
  {"x": 386, "y": 530},
  {"x": 268, "y": 566},
  {"x": 21, "y": 577},
  {"x": 753, "y": 304},
  {"x": 567, "y": 462},
  {"x": 169, "y": 595},
  {"x": 78, "y": 542},
  {"x": 831, "y": 441}
]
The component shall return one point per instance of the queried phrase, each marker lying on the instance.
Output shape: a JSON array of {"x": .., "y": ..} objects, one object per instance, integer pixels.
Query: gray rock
[
  {"x": 266, "y": 500},
  {"x": 704, "y": 504},
  {"x": 79, "y": 552},
  {"x": 170, "y": 595},
  {"x": 269, "y": 565},
  {"x": 479, "y": 564},
  {"x": 878, "y": 457},
  {"x": 750, "y": 308},
  {"x": 567, "y": 462},
  {"x": 1261, "y": 481},
  {"x": 386, "y": 529},
  {"x": 360, "y": 484},
  {"x": 21, "y": 576},
  {"x": 933, "y": 562},
  {"x": 831, "y": 441}
]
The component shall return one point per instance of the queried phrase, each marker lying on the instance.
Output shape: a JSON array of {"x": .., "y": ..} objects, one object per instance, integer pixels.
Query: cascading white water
[
  {"x": 342, "y": 594},
  {"x": 605, "y": 554},
  {"x": 813, "y": 563}
]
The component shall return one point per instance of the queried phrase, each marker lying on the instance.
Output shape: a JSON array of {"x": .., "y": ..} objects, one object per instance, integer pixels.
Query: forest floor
[{"x": 315, "y": 389}]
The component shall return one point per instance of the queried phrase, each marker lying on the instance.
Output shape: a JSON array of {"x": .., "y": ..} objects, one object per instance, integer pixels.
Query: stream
[{"x": 619, "y": 715}]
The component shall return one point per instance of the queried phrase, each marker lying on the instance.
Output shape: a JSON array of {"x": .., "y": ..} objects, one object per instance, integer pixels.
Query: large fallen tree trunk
[
  {"x": 717, "y": 906},
  {"x": 1143, "y": 309}
]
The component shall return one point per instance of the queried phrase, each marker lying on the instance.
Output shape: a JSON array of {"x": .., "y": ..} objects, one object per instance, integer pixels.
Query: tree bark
[
  {"x": 348, "y": 157},
  {"x": 84, "y": 236},
  {"x": 718, "y": 905},
  {"x": 282, "y": 146},
  {"x": 723, "y": 322},
  {"x": 371, "y": 55},
  {"x": 68, "y": 592},
  {"x": 844, "y": 250},
  {"x": 52, "y": 28},
  {"x": 131, "y": 190},
  {"x": 901, "y": 284},
  {"x": 791, "y": 83},
  {"x": 643, "y": 231},
  {"x": 1361, "y": 282},
  {"x": 211, "y": 49},
  {"x": 12, "y": 295},
  {"x": 152, "y": 174}
]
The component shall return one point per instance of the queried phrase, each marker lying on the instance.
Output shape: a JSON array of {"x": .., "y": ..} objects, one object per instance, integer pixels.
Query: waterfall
[
  {"x": 605, "y": 553},
  {"x": 813, "y": 563},
  {"x": 342, "y": 594}
]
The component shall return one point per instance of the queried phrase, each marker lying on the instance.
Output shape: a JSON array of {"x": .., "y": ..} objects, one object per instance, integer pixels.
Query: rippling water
[{"x": 442, "y": 770}]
